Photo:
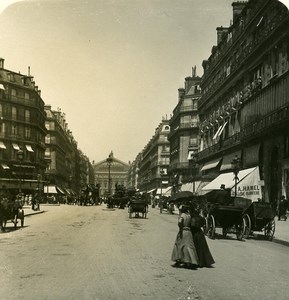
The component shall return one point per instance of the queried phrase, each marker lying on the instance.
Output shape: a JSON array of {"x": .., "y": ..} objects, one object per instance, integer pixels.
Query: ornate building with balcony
[
  {"x": 22, "y": 132},
  {"x": 183, "y": 136},
  {"x": 155, "y": 161},
  {"x": 67, "y": 168},
  {"x": 244, "y": 110}
]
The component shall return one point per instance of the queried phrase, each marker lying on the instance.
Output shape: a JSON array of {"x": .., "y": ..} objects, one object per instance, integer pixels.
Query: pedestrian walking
[
  {"x": 204, "y": 254},
  {"x": 282, "y": 209},
  {"x": 184, "y": 252}
]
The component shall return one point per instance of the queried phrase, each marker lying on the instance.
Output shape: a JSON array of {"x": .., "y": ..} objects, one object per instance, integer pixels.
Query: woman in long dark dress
[
  {"x": 184, "y": 251},
  {"x": 204, "y": 254}
]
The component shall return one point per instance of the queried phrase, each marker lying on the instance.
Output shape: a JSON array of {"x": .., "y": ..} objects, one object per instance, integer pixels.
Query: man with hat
[{"x": 222, "y": 195}]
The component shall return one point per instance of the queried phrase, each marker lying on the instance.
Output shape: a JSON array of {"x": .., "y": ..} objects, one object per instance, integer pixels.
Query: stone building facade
[
  {"x": 183, "y": 136},
  {"x": 109, "y": 173},
  {"x": 244, "y": 110},
  {"x": 22, "y": 132}
]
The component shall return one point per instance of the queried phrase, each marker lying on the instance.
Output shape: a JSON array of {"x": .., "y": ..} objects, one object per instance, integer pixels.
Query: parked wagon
[
  {"x": 228, "y": 216},
  {"x": 137, "y": 207},
  {"x": 11, "y": 211},
  {"x": 259, "y": 216}
]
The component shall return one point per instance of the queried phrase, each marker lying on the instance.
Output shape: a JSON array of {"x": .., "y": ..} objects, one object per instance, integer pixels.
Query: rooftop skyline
[{"x": 113, "y": 67}]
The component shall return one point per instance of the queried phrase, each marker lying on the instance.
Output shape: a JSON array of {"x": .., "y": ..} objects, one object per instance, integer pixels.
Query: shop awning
[
  {"x": 15, "y": 146},
  {"x": 163, "y": 190},
  {"x": 2, "y": 145},
  {"x": 150, "y": 191},
  {"x": 211, "y": 164},
  {"x": 5, "y": 167},
  {"x": 191, "y": 154},
  {"x": 228, "y": 179},
  {"x": 167, "y": 191},
  {"x": 52, "y": 189},
  {"x": 250, "y": 186},
  {"x": 60, "y": 190},
  {"x": 29, "y": 148},
  {"x": 190, "y": 186},
  {"x": 227, "y": 160},
  {"x": 2, "y": 87}
]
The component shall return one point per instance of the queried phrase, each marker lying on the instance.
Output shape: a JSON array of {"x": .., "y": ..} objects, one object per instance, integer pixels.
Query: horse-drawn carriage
[
  {"x": 225, "y": 213},
  {"x": 229, "y": 218},
  {"x": 165, "y": 204},
  {"x": 10, "y": 211},
  {"x": 138, "y": 206},
  {"x": 259, "y": 216}
]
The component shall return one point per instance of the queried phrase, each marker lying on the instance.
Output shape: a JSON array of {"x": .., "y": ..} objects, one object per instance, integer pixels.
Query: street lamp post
[
  {"x": 109, "y": 161},
  {"x": 20, "y": 156},
  {"x": 236, "y": 162},
  {"x": 162, "y": 172},
  {"x": 38, "y": 191}
]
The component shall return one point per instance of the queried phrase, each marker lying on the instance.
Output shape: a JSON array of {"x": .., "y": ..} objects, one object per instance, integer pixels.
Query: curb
[
  {"x": 33, "y": 213},
  {"x": 281, "y": 242}
]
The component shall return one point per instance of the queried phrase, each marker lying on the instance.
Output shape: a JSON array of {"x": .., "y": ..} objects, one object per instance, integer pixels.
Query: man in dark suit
[{"x": 222, "y": 195}]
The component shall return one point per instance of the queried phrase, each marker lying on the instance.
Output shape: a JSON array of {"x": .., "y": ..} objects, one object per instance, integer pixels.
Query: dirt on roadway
[{"x": 75, "y": 252}]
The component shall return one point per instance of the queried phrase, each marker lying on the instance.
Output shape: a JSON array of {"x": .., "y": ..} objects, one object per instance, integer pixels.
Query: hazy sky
[{"x": 113, "y": 66}]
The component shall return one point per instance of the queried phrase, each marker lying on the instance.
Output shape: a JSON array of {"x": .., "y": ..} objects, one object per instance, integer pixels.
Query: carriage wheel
[
  {"x": 240, "y": 230},
  {"x": 247, "y": 231},
  {"x": 269, "y": 229},
  {"x": 211, "y": 227}
]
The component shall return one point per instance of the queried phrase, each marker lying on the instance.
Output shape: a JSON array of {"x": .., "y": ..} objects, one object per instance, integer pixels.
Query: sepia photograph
[{"x": 144, "y": 149}]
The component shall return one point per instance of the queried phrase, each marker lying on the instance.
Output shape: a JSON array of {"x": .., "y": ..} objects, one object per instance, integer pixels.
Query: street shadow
[
  {"x": 9, "y": 229},
  {"x": 230, "y": 237}
]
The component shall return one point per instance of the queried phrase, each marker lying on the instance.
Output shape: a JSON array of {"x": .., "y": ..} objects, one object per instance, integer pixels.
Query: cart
[
  {"x": 11, "y": 212},
  {"x": 136, "y": 207},
  {"x": 259, "y": 216},
  {"x": 229, "y": 218}
]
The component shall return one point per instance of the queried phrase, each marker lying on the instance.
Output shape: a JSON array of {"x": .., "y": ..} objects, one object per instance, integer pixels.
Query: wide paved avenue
[{"x": 76, "y": 252}]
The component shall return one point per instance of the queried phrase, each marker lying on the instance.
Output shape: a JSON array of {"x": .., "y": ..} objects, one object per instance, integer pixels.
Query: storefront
[{"x": 249, "y": 184}]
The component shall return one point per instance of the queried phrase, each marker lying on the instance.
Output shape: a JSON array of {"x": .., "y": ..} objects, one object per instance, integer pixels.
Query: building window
[
  {"x": 195, "y": 104},
  {"x": 26, "y": 96},
  {"x": 27, "y": 132},
  {"x": 27, "y": 115},
  {"x": 193, "y": 141},
  {"x": 14, "y": 113},
  {"x": 14, "y": 129},
  {"x": 13, "y": 92},
  {"x": 2, "y": 128},
  {"x": 47, "y": 152},
  {"x": 47, "y": 139}
]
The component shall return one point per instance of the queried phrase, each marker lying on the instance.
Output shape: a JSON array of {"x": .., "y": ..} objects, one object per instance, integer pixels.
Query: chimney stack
[
  {"x": 181, "y": 93},
  {"x": 2, "y": 63},
  {"x": 221, "y": 31},
  {"x": 237, "y": 8},
  {"x": 188, "y": 84}
]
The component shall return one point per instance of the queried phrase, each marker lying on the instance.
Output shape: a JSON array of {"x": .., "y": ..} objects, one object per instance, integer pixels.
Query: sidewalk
[
  {"x": 281, "y": 235},
  {"x": 28, "y": 211}
]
